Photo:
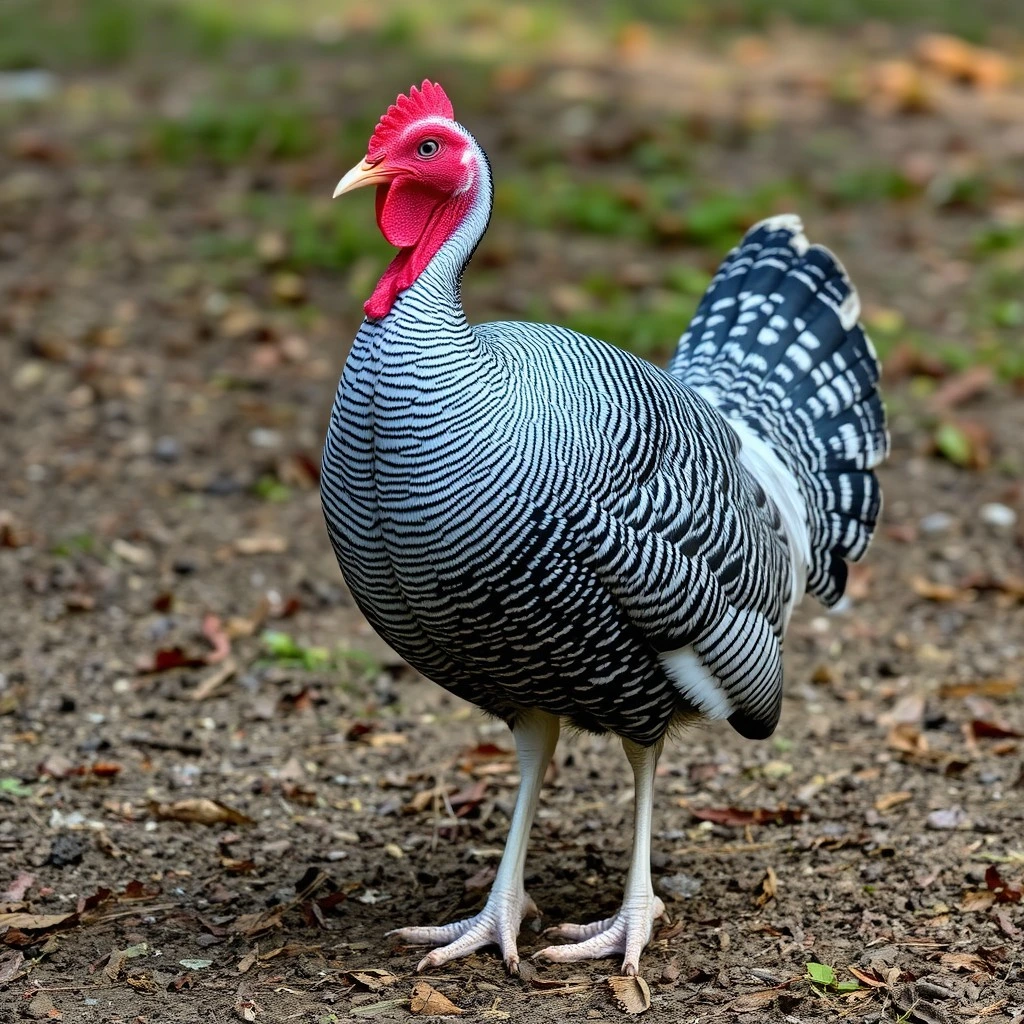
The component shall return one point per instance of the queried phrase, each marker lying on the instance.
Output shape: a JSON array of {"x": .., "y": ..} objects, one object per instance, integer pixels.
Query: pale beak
[{"x": 364, "y": 173}]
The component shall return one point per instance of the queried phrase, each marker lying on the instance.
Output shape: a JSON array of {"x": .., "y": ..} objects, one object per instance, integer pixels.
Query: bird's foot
[
  {"x": 497, "y": 924},
  {"x": 626, "y": 933}
]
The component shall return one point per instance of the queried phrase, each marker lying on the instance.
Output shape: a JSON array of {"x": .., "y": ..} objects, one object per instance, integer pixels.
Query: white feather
[{"x": 696, "y": 683}]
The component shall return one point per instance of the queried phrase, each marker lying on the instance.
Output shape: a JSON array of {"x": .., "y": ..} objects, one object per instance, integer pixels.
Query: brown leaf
[
  {"x": 1006, "y": 892},
  {"x": 10, "y": 966},
  {"x": 908, "y": 739},
  {"x": 468, "y": 799},
  {"x": 963, "y": 962},
  {"x": 428, "y": 1001},
  {"x": 769, "y": 887},
  {"x": 247, "y": 961},
  {"x": 200, "y": 811},
  {"x": 261, "y": 921},
  {"x": 962, "y": 387},
  {"x": 754, "y": 1002},
  {"x": 959, "y": 61},
  {"x": 631, "y": 995},
  {"x": 263, "y": 544},
  {"x": 17, "y": 889},
  {"x": 931, "y": 591},
  {"x": 237, "y": 865},
  {"x": 737, "y": 817},
  {"x": 36, "y": 922},
  {"x": 869, "y": 978},
  {"x": 167, "y": 658},
  {"x": 889, "y": 800},
  {"x": 993, "y": 731},
  {"x": 1006, "y": 926},
  {"x": 373, "y": 978},
  {"x": 983, "y": 688},
  {"x": 975, "y": 900}
]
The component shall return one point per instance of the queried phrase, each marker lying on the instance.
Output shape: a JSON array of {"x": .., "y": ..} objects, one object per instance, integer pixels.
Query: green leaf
[
  {"x": 954, "y": 444},
  {"x": 281, "y": 645},
  {"x": 195, "y": 965},
  {"x": 821, "y": 974},
  {"x": 15, "y": 787},
  {"x": 847, "y": 986}
]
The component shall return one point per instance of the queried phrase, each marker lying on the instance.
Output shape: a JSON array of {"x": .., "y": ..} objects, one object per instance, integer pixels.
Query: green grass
[
  {"x": 104, "y": 33},
  {"x": 228, "y": 134}
]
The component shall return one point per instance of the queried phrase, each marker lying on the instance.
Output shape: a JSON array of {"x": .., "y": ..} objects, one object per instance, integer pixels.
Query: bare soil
[{"x": 881, "y": 829}]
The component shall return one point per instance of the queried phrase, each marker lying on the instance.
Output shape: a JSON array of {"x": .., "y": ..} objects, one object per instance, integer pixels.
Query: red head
[{"x": 426, "y": 172}]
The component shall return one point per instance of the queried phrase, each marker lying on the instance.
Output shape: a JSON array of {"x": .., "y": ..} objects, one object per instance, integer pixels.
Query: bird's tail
[{"x": 775, "y": 345}]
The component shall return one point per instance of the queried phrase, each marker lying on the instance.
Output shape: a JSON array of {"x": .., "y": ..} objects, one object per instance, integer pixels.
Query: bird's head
[{"x": 427, "y": 169}]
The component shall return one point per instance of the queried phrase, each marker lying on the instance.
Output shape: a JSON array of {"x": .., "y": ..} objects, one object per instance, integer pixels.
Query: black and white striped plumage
[{"x": 536, "y": 519}]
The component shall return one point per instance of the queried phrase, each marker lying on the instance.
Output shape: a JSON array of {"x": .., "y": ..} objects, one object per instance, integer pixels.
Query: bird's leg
[
  {"x": 629, "y": 930},
  {"x": 536, "y": 734}
]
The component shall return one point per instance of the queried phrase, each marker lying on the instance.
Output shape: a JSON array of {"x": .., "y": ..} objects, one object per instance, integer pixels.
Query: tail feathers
[{"x": 776, "y": 347}]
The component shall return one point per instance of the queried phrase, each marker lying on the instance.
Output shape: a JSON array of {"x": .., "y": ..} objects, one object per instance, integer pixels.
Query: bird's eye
[{"x": 428, "y": 148}]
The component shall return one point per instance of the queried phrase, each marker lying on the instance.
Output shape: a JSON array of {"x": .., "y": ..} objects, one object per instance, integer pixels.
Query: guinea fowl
[{"x": 557, "y": 530}]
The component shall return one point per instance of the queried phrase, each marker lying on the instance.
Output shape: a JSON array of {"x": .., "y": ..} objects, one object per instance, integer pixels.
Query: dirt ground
[{"x": 175, "y": 632}]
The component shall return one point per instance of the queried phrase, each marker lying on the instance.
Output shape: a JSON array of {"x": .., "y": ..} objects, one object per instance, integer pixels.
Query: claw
[
  {"x": 626, "y": 933},
  {"x": 497, "y": 924}
]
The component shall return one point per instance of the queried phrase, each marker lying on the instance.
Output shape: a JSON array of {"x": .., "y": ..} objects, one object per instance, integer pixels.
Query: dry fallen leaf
[
  {"x": 963, "y": 962},
  {"x": 10, "y": 966},
  {"x": 261, "y": 544},
  {"x": 983, "y": 688},
  {"x": 631, "y": 995},
  {"x": 739, "y": 817},
  {"x": 373, "y": 978},
  {"x": 200, "y": 811},
  {"x": 769, "y": 887},
  {"x": 889, "y": 800},
  {"x": 931, "y": 591},
  {"x": 426, "y": 1000},
  {"x": 869, "y": 978},
  {"x": 753, "y": 1002}
]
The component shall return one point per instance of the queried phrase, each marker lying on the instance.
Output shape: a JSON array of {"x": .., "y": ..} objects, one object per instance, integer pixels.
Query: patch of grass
[
  {"x": 75, "y": 544},
  {"x": 232, "y": 133},
  {"x": 282, "y": 647},
  {"x": 650, "y": 331},
  {"x": 10, "y": 786},
  {"x": 869, "y": 184},
  {"x": 974, "y": 21},
  {"x": 321, "y": 234},
  {"x": 285, "y": 649},
  {"x": 269, "y": 488}
]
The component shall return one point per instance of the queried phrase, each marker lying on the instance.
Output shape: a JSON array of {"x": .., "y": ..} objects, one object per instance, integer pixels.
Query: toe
[{"x": 579, "y": 932}]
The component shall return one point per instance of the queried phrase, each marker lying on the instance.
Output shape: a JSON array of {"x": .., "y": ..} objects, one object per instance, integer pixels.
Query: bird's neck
[{"x": 424, "y": 281}]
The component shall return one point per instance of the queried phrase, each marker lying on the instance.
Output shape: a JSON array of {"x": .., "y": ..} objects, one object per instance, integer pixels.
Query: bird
[{"x": 566, "y": 535}]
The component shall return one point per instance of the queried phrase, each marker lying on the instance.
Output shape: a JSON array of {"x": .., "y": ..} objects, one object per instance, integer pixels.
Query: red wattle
[{"x": 419, "y": 222}]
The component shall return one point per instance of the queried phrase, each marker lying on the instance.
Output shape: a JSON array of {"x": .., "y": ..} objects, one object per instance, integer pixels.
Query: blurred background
[{"x": 177, "y": 296}]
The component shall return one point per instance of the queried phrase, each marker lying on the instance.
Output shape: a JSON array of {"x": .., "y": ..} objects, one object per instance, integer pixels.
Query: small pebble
[
  {"x": 264, "y": 437},
  {"x": 936, "y": 522},
  {"x": 167, "y": 449},
  {"x": 998, "y": 515}
]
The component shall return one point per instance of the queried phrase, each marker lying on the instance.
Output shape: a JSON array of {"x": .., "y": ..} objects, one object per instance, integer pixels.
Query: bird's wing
[{"x": 657, "y": 505}]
